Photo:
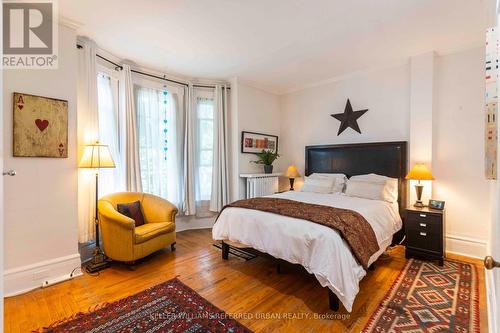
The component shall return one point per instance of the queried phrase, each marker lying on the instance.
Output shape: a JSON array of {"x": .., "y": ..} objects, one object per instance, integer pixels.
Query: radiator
[{"x": 261, "y": 186}]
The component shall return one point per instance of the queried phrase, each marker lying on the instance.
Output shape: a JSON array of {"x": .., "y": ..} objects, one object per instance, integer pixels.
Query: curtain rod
[
  {"x": 120, "y": 67},
  {"x": 159, "y": 77}
]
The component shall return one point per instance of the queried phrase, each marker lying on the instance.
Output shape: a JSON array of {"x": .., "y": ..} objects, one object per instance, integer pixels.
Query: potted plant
[{"x": 267, "y": 157}]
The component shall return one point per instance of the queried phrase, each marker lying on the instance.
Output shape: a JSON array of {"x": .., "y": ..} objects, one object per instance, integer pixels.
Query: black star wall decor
[{"x": 349, "y": 118}]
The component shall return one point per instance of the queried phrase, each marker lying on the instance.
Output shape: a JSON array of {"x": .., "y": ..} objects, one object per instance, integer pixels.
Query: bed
[{"x": 320, "y": 249}]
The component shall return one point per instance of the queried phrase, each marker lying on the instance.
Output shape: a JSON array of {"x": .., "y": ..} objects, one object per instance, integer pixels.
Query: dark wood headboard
[{"x": 383, "y": 158}]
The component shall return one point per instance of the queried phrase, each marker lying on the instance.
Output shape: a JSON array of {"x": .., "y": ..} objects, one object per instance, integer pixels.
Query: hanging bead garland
[{"x": 165, "y": 122}]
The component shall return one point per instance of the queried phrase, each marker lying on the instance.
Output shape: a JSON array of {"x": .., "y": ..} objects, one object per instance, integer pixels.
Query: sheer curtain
[
  {"x": 204, "y": 148},
  {"x": 157, "y": 140},
  {"x": 110, "y": 180},
  {"x": 204, "y": 153}
]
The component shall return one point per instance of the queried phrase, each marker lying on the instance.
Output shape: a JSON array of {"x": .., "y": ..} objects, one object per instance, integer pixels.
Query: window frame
[
  {"x": 116, "y": 84},
  {"x": 209, "y": 95},
  {"x": 201, "y": 149}
]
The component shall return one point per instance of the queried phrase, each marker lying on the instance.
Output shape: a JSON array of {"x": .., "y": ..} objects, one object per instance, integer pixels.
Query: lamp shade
[
  {"x": 96, "y": 156},
  {"x": 420, "y": 172},
  {"x": 292, "y": 172}
]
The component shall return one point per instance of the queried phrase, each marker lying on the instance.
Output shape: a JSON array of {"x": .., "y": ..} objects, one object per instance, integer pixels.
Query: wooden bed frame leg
[
  {"x": 333, "y": 300},
  {"x": 225, "y": 251}
]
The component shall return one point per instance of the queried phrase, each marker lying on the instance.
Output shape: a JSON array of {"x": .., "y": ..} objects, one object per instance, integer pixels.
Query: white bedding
[{"x": 318, "y": 248}]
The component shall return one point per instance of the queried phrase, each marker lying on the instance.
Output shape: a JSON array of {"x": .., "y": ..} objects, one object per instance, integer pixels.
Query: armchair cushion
[
  {"x": 152, "y": 230},
  {"x": 132, "y": 210}
]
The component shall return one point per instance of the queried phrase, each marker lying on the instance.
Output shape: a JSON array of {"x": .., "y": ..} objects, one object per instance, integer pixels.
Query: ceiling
[{"x": 278, "y": 45}]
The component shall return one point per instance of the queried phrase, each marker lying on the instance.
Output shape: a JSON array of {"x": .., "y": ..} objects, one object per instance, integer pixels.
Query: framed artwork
[
  {"x": 252, "y": 142},
  {"x": 40, "y": 126},
  {"x": 436, "y": 204}
]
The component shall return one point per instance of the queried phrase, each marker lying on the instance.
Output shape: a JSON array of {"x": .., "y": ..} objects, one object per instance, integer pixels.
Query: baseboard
[
  {"x": 192, "y": 223},
  {"x": 23, "y": 279},
  {"x": 466, "y": 246},
  {"x": 491, "y": 300}
]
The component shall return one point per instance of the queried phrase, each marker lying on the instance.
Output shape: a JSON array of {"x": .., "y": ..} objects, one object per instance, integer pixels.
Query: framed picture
[
  {"x": 40, "y": 126},
  {"x": 252, "y": 142},
  {"x": 436, "y": 204}
]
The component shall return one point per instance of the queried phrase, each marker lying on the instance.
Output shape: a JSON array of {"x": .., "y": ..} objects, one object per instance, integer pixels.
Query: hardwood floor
[{"x": 250, "y": 288}]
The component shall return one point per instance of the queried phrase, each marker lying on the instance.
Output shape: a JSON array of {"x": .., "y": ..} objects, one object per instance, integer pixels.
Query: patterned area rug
[
  {"x": 168, "y": 307},
  {"x": 430, "y": 298}
]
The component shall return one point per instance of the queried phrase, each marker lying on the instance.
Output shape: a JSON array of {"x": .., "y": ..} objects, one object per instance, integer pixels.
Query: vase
[{"x": 268, "y": 169}]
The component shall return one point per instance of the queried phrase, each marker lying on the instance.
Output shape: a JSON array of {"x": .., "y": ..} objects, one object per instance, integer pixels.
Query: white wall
[
  {"x": 457, "y": 145},
  {"x": 458, "y": 150},
  {"x": 41, "y": 201},
  {"x": 257, "y": 111},
  {"x": 1, "y": 207},
  {"x": 306, "y": 114},
  {"x": 422, "y": 105}
]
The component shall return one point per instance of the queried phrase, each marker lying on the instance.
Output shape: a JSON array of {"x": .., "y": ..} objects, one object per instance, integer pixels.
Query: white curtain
[
  {"x": 158, "y": 143},
  {"x": 87, "y": 133},
  {"x": 133, "y": 174},
  {"x": 177, "y": 97},
  {"x": 220, "y": 171},
  {"x": 189, "y": 203},
  {"x": 110, "y": 180}
]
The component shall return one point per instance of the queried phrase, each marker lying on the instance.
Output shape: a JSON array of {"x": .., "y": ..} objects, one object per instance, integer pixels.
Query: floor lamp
[{"x": 97, "y": 156}]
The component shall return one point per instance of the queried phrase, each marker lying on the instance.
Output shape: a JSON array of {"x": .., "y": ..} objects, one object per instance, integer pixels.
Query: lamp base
[
  {"x": 418, "y": 204},
  {"x": 291, "y": 183},
  {"x": 94, "y": 267},
  {"x": 98, "y": 262},
  {"x": 419, "y": 189}
]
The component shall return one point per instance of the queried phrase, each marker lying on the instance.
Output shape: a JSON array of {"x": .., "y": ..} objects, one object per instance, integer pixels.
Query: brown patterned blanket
[{"x": 351, "y": 226}]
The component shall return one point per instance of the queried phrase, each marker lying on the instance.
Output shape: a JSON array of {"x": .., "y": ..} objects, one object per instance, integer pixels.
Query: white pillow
[
  {"x": 373, "y": 187},
  {"x": 365, "y": 190},
  {"x": 318, "y": 185},
  {"x": 339, "y": 180}
]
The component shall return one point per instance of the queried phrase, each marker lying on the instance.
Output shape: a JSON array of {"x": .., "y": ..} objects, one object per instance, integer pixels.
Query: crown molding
[
  {"x": 461, "y": 48},
  {"x": 154, "y": 71},
  {"x": 262, "y": 87},
  {"x": 346, "y": 76},
  {"x": 66, "y": 22},
  {"x": 401, "y": 62}
]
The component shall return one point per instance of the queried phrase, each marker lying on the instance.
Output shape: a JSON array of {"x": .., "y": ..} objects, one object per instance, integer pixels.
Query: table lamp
[
  {"x": 97, "y": 156},
  {"x": 292, "y": 173},
  {"x": 419, "y": 172}
]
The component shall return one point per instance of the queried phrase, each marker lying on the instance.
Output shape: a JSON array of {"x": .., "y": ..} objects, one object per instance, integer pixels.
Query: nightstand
[{"x": 425, "y": 229}]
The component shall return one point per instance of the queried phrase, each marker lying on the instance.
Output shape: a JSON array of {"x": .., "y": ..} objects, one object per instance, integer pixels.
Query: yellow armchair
[{"x": 122, "y": 241}]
